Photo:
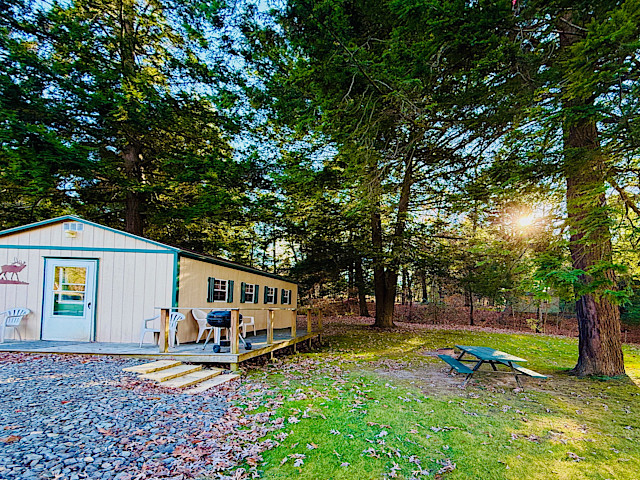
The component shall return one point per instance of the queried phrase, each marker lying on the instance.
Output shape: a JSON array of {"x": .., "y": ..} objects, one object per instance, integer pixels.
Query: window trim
[
  {"x": 273, "y": 294},
  {"x": 216, "y": 290},
  {"x": 286, "y": 296},
  {"x": 253, "y": 292}
]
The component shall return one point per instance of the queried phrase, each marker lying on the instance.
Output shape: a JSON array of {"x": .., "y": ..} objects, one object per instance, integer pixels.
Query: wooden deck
[{"x": 190, "y": 352}]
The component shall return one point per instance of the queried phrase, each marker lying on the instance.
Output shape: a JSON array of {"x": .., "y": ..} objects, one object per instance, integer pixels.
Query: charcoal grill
[{"x": 222, "y": 319}]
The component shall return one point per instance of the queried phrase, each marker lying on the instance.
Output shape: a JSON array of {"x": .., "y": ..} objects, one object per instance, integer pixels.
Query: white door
[{"x": 69, "y": 297}]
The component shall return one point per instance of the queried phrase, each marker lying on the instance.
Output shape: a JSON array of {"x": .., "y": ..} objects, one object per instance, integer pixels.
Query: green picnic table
[{"x": 490, "y": 356}]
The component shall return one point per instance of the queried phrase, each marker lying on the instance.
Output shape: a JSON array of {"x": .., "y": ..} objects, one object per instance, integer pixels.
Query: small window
[
  {"x": 270, "y": 294},
  {"x": 249, "y": 292},
  {"x": 72, "y": 227},
  {"x": 219, "y": 290},
  {"x": 286, "y": 297}
]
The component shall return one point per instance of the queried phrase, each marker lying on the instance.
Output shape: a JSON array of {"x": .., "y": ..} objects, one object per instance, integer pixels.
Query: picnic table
[{"x": 490, "y": 356}]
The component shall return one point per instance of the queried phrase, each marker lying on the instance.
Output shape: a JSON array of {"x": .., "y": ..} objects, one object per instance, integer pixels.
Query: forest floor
[{"x": 372, "y": 404}]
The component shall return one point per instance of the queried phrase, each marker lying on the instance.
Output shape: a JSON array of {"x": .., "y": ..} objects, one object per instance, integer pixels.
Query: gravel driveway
[{"x": 78, "y": 417}]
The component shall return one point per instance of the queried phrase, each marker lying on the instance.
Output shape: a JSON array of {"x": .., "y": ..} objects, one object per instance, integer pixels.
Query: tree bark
[
  {"x": 423, "y": 285},
  {"x": 132, "y": 153},
  {"x": 133, "y": 202},
  {"x": 385, "y": 277},
  {"x": 360, "y": 285},
  {"x": 600, "y": 348}
]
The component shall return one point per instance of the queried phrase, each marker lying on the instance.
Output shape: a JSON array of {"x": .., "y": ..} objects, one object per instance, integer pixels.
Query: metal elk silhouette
[{"x": 11, "y": 271}]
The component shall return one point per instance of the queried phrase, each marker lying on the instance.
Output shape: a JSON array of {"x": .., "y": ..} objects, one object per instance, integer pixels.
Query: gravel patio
[{"x": 74, "y": 417}]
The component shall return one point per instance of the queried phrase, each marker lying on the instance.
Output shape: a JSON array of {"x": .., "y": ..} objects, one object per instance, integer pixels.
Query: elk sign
[{"x": 9, "y": 274}]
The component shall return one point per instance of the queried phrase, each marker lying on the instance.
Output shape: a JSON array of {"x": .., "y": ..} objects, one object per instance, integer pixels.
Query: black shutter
[
  {"x": 210, "y": 289},
  {"x": 275, "y": 295},
  {"x": 266, "y": 294},
  {"x": 282, "y": 299},
  {"x": 256, "y": 290},
  {"x": 229, "y": 291},
  {"x": 243, "y": 286}
]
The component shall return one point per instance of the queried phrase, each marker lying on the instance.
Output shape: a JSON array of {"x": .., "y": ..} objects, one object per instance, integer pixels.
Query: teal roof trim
[{"x": 73, "y": 218}]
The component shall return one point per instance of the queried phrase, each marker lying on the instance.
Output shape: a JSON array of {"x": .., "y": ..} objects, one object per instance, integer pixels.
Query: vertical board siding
[
  {"x": 130, "y": 284},
  {"x": 194, "y": 282}
]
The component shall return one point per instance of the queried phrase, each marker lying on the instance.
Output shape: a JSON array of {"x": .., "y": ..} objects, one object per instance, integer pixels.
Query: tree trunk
[
  {"x": 423, "y": 284},
  {"x": 403, "y": 295},
  {"x": 600, "y": 348},
  {"x": 385, "y": 277},
  {"x": 470, "y": 307},
  {"x": 132, "y": 153},
  {"x": 385, "y": 280},
  {"x": 360, "y": 285},
  {"x": 133, "y": 198}
]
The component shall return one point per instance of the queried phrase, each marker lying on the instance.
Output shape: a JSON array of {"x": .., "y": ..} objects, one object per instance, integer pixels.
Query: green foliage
[{"x": 108, "y": 116}]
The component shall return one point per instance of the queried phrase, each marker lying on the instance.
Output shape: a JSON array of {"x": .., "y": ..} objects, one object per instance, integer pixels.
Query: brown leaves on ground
[{"x": 10, "y": 439}]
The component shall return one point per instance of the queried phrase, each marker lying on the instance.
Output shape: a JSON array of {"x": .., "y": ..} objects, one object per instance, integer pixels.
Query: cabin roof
[{"x": 186, "y": 253}]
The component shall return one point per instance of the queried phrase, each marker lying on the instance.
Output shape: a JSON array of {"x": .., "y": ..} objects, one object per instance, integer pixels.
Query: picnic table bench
[{"x": 490, "y": 356}]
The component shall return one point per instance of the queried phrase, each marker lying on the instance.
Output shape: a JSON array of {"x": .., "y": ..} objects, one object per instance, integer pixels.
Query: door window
[{"x": 69, "y": 289}]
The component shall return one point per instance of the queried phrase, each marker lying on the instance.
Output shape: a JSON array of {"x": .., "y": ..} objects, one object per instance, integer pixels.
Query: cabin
[{"x": 85, "y": 282}]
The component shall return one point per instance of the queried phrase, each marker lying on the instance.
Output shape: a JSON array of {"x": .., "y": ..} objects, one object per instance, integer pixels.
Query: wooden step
[
  {"x": 192, "y": 378},
  {"x": 153, "y": 366},
  {"x": 214, "y": 382},
  {"x": 173, "y": 372}
]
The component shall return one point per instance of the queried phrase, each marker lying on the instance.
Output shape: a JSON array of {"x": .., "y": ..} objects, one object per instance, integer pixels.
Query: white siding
[{"x": 130, "y": 284}]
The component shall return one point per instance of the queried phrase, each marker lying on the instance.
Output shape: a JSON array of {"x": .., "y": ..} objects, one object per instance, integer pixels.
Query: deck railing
[{"x": 234, "y": 334}]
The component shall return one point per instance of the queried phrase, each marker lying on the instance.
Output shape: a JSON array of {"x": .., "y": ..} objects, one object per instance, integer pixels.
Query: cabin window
[
  {"x": 286, "y": 297},
  {"x": 248, "y": 293},
  {"x": 220, "y": 290},
  {"x": 270, "y": 294},
  {"x": 72, "y": 227}
]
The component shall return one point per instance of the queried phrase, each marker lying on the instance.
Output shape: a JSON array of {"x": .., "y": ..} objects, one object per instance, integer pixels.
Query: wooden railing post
[
  {"x": 235, "y": 331},
  {"x": 309, "y": 321},
  {"x": 163, "y": 341},
  {"x": 270, "y": 321},
  {"x": 294, "y": 324}
]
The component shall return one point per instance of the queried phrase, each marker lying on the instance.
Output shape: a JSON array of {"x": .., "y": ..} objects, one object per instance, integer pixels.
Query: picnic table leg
[
  {"x": 494, "y": 366},
  {"x": 469, "y": 375},
  {"x": 515, "y": 374}
]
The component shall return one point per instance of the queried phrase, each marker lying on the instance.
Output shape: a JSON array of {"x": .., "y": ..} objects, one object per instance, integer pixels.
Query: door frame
[{"x": 49, "y": 258}]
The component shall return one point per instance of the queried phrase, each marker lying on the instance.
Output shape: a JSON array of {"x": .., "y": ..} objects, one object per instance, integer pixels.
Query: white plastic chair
[
  {"x": 248, "y": 322},
  {"x": 12, "y": 319},
  {"x": 174, "y": 318},
  {"x": 203, "y": 325}
]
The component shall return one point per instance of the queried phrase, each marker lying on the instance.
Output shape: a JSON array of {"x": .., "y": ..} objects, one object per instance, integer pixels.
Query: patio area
[{"x": 190, "y": 352}]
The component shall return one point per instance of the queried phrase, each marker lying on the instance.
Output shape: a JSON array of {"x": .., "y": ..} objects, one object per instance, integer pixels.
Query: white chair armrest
[{"x": 147, "y": 320}]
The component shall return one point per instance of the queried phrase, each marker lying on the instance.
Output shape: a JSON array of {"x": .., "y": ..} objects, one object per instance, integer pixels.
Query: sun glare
[{"x": 526, "y": 221}]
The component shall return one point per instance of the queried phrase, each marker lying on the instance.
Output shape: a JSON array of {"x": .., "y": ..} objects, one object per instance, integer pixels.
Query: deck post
[
  {"x": 270, "y": 321},
  {"x": 235, "y": 332},
  {"x": 163, "y": 340},
  {"x": 309, "y": 321},
  {"x": 234, "y": 367},
  {"x": 294, "y": 324}
]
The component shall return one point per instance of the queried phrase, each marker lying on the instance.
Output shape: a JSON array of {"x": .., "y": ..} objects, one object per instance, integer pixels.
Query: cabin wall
[
  {"x": 133, "y": 277},
  {"x": 193, "y": 285}
]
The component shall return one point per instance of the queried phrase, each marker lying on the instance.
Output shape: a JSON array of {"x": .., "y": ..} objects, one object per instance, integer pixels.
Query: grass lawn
[{"x": 372, "y": 405}]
